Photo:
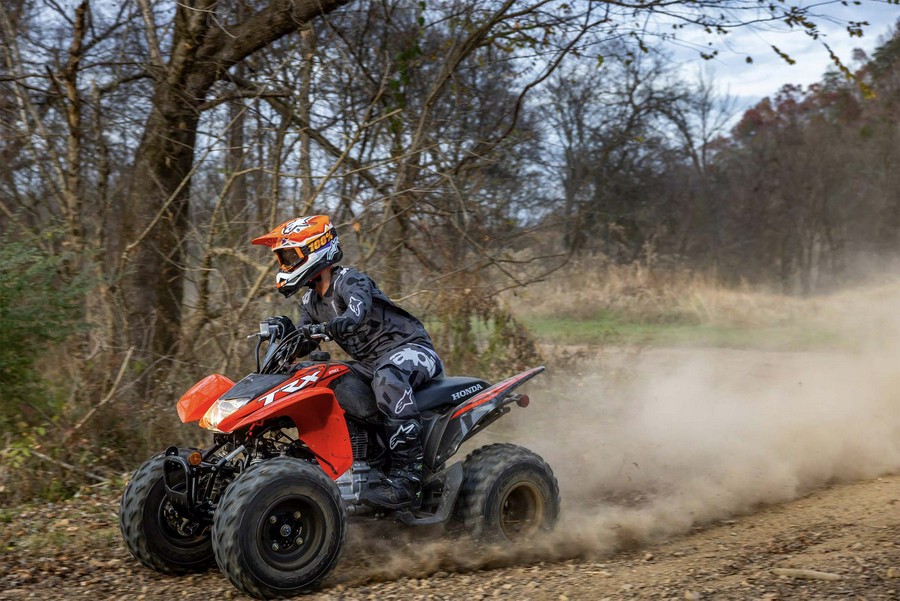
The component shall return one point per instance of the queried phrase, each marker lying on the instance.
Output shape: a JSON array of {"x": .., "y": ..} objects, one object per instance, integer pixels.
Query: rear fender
[
  {"x": 320, "y": 424},
  {"x": 452, "y": 429},
  {"x": 199, "y": 398}
]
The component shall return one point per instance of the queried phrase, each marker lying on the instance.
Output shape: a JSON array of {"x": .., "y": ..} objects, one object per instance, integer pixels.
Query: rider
[{"x": 391, "y": 346}]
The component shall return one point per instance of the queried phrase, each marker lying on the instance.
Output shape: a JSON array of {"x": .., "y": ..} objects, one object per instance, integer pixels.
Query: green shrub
[{"x": 39, "y": 306}]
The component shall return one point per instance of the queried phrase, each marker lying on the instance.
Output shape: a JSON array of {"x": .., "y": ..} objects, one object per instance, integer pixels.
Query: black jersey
[{"x": 381, "y": 326}]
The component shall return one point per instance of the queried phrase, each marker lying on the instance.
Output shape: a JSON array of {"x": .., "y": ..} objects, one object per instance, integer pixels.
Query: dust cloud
[{"x": 647, "y": 445}]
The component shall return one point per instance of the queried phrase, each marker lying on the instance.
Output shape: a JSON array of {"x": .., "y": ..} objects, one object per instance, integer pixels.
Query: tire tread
[
  {"x": 131, "y": 516},
  {"x": 225, "y": 543},
  {"x": 482, "y": 467}
]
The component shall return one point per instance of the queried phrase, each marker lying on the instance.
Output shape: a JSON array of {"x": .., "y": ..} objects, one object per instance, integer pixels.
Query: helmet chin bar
[
  {"x": 289, "y": 290},
  {"x": 314, "y": 279},
  {"x": 284, "y": 286}
]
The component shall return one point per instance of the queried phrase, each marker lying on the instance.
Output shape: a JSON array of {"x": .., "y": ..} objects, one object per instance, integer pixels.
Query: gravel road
[{"x": 848, "y": 535}]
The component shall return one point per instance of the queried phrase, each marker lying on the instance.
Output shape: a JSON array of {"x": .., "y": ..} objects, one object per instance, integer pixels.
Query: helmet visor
[{"x": 290, "y": 258}]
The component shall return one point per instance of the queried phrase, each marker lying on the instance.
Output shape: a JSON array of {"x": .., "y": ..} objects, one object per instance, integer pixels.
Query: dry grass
[
  {"x": 588, "y": 288},
  {"x": 597, "y": 304}
]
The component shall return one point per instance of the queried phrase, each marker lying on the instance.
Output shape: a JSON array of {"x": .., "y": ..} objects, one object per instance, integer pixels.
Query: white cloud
[{"x": 750, "y": 82}]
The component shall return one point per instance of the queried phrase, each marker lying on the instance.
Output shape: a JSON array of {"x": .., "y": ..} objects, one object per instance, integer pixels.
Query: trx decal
[{"x": 290, "y": 388}]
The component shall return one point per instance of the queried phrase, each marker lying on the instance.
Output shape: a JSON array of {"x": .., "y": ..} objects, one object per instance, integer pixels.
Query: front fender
[
  {"x": 194, "y": 403},
  {"x": 320, "y": 424}
]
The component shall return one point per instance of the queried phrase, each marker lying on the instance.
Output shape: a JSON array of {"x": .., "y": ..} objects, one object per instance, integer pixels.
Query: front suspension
[{"x": 194, "y": 489}]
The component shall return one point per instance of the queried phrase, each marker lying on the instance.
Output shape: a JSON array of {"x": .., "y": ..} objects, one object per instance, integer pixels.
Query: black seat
[
  {"x": 355, "y": 393},
  {"x": 447, "y": 391}
]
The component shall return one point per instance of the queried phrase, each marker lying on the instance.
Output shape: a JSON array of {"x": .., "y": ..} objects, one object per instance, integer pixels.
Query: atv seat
[
  {"x": 354, "y": 393},
  {"x": 447, "y": 391}
]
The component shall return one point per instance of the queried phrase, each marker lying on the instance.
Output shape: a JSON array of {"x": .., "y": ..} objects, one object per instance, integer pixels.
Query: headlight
[{"x": 219, "y": 411}]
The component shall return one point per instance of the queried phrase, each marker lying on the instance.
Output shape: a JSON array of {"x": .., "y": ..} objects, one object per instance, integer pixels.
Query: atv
[{"x": 295, "y": 445}]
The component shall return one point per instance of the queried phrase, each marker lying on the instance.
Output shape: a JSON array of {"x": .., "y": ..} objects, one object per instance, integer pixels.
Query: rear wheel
[
  {"x": 508, "y": 493},
  {"x": 155, "y": 532},
  {"x": 279, "y": 528}
]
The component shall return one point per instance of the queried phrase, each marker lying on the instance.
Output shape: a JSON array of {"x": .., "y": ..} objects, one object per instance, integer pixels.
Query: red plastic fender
[
  {"x": 320, "y": 424},
  {"x": 194, "y": 403},
  {"x": 495, "y": 391},
  {"x": 453, "y": 428}
]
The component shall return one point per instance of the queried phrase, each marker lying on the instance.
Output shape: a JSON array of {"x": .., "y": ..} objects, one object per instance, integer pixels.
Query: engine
[
  {"x": 355, "y": 480},
  {"x": 359, "y": 441}
]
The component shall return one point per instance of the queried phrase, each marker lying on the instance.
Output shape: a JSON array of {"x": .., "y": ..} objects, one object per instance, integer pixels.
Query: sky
[{"x": 749, "y": 83}]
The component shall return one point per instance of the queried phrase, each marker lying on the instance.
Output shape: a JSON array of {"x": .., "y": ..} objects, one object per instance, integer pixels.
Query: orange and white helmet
[{"x": 304, "y": 246}]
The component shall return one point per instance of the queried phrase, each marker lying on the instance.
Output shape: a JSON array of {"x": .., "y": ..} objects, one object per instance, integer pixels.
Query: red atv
[{"x": 295, "y": 445}]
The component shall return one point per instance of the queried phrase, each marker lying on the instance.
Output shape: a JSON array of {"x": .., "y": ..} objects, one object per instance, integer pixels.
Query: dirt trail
[{"x": 852, "y": 531}]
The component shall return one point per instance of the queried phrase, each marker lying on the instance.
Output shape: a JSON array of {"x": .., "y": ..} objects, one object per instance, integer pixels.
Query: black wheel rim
[
  {"x": 291, "y": 532},
  {"x": 521, "y": 510},
  {"x": 174, "y": 528}
]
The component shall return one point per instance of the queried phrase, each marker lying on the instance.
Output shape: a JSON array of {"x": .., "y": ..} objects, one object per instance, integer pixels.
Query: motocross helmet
[{"x": 304, "y": 247}]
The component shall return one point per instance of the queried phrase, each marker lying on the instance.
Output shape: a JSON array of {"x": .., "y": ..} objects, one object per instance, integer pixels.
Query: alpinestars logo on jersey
[{"x": 355, "y": 304}]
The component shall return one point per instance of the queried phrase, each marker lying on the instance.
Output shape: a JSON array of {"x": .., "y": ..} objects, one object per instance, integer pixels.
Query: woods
[{"x": 462, "y": 148}]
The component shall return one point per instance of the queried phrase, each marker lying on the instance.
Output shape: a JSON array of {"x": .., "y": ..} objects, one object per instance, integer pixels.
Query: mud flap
[
  {"x": 450, "y": 430},
  {"x": 451, "y": 479}
]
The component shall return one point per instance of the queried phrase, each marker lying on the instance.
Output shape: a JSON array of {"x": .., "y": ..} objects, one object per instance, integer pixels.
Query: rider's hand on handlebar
[
  {"x": 316, "y": 331},
  {"x": 340, "y": 327},
  {"x": 282, "y": 324}
]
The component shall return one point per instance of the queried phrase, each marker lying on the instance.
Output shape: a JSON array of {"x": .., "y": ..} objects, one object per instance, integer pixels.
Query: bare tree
[{"x": 204, "y": 45}]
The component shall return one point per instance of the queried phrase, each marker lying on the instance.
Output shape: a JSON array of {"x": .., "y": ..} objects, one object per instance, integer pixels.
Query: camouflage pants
[{"x": 398, "y": 374}]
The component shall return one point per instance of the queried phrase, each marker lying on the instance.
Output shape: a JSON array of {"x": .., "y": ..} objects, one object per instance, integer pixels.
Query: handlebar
[
  {"x": 315, "y": 331},
  {"x": 269, "y": 330},
  {"x": 284, "y": 340}
]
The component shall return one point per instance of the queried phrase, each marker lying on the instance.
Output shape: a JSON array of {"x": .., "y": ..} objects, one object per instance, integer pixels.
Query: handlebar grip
[
  {"x": 319, "y": 331},
  {"x": 315, "y": 331}
]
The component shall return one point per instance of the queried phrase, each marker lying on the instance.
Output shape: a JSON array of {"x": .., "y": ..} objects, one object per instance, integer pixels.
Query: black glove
[
  {"x": 283, "y": 326},
  {"x": 340, "y": 327}
]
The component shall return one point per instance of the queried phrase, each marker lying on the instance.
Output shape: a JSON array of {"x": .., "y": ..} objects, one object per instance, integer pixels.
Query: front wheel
[
  {"x": 279, "y": 528},
  {"x": 155, "y": 532},
  {"x": 508, "y": 493}
]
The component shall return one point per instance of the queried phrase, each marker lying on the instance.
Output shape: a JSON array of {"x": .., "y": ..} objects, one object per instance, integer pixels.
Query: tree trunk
[
  {"x": 157, "y": 217},
  {"x": 157, "y": 198}
]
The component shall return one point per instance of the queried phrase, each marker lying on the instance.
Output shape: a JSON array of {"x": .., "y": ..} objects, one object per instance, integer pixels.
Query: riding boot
[{"x": 403, "y": 484}]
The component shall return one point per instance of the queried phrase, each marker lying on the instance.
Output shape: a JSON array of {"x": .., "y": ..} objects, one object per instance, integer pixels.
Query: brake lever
[{"x": 316, "y": 331}]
